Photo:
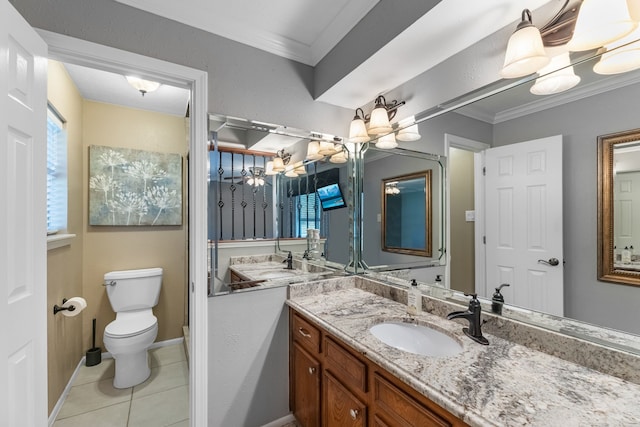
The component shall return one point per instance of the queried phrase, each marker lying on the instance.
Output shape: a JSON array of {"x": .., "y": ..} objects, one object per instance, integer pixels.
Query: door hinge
[
  {"x": 484, "y": 171},
  {"x": 484, "y": 240},
  {"x": 193, "y": 287}
]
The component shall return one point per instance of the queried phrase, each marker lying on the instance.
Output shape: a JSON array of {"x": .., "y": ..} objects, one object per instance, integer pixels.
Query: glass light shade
[
  {"x": 144, "y": 86},
  {"x": 387, "y": 141},
  {"x": 327, "y": 148},
  {"x": 556, "y": 77},
  {"x": 634, "y": 9},
  {"x": 300, "y": 168},
  {"x": 291, "y": 173},
  {"x": 599, "y": 23},
  {"x": 269, "y": 169},
  {"x": 340, "y": 157},
  {"x": 525, "y": 53},
  {"x": 379, "y": 122},
  {"x": 409, "y": 133},
  {"x": 358, "y": 131},
  {"x": 621, "y": 56},
  {"x": 278, "y": 165},
  {"x": 312, "y": 151}
]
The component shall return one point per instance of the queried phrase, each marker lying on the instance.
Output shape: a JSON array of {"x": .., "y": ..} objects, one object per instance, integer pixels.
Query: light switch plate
[{"x": 470, "y": 216}]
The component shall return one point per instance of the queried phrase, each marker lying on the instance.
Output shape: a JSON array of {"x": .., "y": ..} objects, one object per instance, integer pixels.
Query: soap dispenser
[
  {"x": 497, "y": 301},
  {"x": 414, "y": 299}
]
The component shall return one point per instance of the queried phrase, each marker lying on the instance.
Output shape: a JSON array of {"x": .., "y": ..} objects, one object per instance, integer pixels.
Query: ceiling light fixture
[{"x": 142, "y": 85}]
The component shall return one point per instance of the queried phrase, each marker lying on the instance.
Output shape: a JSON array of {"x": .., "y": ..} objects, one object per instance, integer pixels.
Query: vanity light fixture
[
  {"x": 387, "y": 141},
  {"x": 290, "y": 172},
  {"x": 312, "y": 151},
  {"x": 601, "y": 22},
  {"x": 391, "y": 188},
  {"x": 300, "y": 168},
  {"x": 281, "y": 160},
  {"x": 621, "y": 56},
  {"x": 379, "y": 120},
  {"x": 408, "y": 130},
  {"x": 142, "y": 85},
  {"x": 340, "y": 156},
  {"x": 556, "y": 77},
  {"x": 326, "y": 148},
  {"x": 525, "y": 50},
  {"x": 358, "y": 128},
  {"x": 269, "y": 169}
]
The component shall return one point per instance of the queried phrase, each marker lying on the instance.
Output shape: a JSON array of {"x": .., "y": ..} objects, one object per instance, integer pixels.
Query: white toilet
[{"x": 132, "y": 294}]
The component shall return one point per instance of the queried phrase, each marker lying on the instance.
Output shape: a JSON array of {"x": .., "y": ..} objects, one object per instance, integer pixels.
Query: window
[
  {"x": 56, "y": 172},
  {"x": 307, "y": 213}
]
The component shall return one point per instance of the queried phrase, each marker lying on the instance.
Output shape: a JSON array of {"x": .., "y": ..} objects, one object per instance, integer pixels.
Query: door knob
[{"x": 552, "y": 262}]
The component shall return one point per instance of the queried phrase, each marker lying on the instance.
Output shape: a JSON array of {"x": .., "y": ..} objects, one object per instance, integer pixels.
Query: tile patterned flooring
[{"x": 162, "y": 400}]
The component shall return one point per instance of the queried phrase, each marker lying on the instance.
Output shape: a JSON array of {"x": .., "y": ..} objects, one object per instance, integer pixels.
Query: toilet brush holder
[{"x": 94, "y": 354}]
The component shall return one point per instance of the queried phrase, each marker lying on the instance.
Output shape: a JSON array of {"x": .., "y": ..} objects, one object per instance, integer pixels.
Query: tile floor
[{"x": 162, "y": 400}]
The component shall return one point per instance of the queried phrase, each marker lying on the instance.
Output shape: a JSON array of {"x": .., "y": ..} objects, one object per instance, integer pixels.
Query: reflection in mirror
[
  {"x": 618, "y": 200},
  {"x": 379, "y": 166},
  {"x": 406, "y": 214},
  {"x": 598, "y": 105},
  {"x": 315, "y": 201},
  {"x": 244, "y": 254}
]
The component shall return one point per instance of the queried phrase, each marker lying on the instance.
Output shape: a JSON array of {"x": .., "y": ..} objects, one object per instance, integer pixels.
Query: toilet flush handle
[{"x": 111, "y": 283}]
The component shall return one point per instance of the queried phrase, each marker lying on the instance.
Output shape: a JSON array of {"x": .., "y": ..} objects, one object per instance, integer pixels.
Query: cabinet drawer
[
  {"x": 345, "y": 366},
  {"x": 341, "y": 408},
  {"x": 307, "y": 335},
  {"x": 401, "y": 408}
]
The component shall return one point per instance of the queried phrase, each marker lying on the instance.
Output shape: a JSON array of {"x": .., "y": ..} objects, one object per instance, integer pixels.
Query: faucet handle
[{"x": 474, "y": 303}]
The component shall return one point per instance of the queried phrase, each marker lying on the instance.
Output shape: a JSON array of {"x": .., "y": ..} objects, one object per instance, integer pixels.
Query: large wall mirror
[
  {"x": 599, "y": 105},
  {"x": 618, "y": 207},
  {"x": 406, "y": 214}
]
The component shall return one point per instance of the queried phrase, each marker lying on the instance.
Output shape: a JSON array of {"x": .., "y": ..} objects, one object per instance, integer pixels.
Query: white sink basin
[{"x": 416, "y": 339}]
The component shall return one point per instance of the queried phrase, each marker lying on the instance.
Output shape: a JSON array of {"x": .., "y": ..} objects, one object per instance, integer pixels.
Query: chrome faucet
[
  {"x": 306, "y": 255},
  {"x": 289, "y": 262},
  {"x": 472, "y": 315}
]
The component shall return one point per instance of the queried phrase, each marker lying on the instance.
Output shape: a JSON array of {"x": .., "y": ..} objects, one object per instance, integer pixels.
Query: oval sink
[{"x": 416, "y": 339}]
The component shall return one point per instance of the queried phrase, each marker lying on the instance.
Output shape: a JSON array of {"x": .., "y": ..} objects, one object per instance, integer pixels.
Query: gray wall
[
  {"x": 580, "y": 123},
  {"x": 243, "y": 81}
]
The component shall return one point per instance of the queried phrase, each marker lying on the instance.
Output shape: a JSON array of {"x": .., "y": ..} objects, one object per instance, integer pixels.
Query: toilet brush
[{"x": 94, "y": 354}]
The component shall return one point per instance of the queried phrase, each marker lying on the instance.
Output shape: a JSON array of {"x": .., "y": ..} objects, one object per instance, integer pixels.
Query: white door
[
  {"x": 23, "y": 263},
  {"x": 523, "y": 188}
]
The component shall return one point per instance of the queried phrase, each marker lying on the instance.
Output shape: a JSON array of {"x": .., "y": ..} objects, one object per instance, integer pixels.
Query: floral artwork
[{"x": 134, "y": 187}]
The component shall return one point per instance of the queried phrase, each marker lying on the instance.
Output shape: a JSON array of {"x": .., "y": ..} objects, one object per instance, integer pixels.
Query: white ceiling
[
  {"x": 111, "y": 88},
  {"x": 302, "y": 30}
]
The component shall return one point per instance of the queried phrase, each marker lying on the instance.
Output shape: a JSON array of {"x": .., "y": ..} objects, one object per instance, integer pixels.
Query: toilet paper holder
[{"x": 57, "y": 308}]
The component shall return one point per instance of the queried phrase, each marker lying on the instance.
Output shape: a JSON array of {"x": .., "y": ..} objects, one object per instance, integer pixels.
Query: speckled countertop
[{"x": 502, "y": 384}]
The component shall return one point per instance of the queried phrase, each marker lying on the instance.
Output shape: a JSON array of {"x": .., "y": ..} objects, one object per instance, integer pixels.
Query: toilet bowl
[{"x": 132, "y": 294}]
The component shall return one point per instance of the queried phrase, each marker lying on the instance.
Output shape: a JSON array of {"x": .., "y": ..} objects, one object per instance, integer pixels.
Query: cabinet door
[
  {"x": 341, "y": 408},
  {"x": 306, "y": 388}
]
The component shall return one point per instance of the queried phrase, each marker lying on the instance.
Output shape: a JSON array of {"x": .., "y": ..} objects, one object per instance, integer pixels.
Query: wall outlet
[{"x": 470, "y": 216}]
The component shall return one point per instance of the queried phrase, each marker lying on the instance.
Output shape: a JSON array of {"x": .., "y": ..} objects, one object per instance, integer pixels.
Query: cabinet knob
[
  {"x": 354, "y": 413},
  {"x": 312, "y": 370}
]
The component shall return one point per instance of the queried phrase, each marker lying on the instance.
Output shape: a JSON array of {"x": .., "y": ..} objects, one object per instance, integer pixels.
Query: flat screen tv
[{"x": 331, "y": 197}]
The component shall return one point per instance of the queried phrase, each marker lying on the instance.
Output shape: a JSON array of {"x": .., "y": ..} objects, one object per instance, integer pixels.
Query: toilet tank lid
[{"x": 133, "y": 274}]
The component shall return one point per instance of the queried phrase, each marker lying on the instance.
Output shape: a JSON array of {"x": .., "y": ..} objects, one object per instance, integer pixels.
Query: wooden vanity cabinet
[{"x": 348, "y": 390}]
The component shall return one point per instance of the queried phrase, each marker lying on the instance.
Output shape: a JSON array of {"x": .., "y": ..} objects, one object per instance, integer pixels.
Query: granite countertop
[
  {"x": 502, "y": 384},
  {"x": 271, "y": 273}
]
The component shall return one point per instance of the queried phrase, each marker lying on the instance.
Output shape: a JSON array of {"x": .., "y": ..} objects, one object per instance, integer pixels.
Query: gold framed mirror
[
  {"x": 406, "y": 214},
  {"x": 618, "y": 207}
]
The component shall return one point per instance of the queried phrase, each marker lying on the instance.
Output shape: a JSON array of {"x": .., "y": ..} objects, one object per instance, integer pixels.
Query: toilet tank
[{"x": 133, "y": 289}]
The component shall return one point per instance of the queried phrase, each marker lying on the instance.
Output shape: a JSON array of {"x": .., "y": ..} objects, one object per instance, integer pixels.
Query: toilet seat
[{"x": 128, "y": 324}]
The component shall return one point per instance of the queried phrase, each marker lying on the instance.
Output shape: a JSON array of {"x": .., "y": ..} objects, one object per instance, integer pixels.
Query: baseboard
[
  {"x": 105, "y": 355},
  {"x": 56, "y": 409},
  {"x": 281, "y": 421}
]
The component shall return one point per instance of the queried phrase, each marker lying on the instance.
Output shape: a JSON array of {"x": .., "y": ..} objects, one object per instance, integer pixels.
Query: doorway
[{"x": 79, "y": 52}]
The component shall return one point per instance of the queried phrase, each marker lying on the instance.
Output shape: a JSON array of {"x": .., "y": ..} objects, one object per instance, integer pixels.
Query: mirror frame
[
  {"x": 428, "y": 250},
  {"x": 606, "y": 269}
]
